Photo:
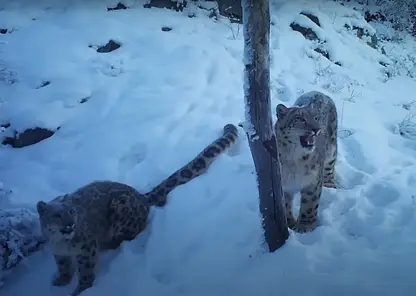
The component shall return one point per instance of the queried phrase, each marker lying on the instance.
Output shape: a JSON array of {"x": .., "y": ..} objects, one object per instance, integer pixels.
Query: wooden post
[{"x": 258, "y": 125}]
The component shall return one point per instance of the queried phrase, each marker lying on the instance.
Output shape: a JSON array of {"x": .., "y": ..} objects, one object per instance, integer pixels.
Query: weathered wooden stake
[{"x": 258, "y": 126}]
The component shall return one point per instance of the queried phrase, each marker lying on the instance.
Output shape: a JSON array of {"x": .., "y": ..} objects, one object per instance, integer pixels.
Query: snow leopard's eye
[
  {"x": 57, "y": 216},
  {"x": 300, "y": 119}
]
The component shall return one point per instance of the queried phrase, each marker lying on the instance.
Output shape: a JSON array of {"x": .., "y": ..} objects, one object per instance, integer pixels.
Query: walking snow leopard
[
  {"x": 307, "y": 144},
  {"x": 103, "y": 214}
]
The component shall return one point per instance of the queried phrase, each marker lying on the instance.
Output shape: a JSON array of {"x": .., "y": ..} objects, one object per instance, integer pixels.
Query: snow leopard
[
  {"x": 102, "y": 214},
  {"x": 307, "y": 145}
]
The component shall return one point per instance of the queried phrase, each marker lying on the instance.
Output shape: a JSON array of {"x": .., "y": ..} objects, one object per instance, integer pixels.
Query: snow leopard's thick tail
[{"x": 196, "y": 167}]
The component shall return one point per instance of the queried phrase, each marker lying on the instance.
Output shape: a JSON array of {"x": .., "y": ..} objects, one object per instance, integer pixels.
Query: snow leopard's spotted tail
[{"x": 196, "y": 167}]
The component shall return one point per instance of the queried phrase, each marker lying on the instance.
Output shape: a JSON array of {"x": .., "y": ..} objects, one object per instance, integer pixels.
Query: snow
[{"x": 159, "y": 99}]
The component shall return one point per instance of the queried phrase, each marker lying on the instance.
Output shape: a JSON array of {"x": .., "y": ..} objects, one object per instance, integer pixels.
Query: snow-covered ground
[{"x": 154, "y": 103}]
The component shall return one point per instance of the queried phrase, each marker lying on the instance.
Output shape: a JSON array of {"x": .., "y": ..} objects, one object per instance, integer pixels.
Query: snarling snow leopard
[
  {"x": 103, "y": 214},
  {"x": 307, "y": 144}
]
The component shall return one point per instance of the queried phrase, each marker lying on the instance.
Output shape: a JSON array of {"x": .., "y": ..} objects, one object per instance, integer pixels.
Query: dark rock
[
  {"x": 312, "y": 17},
  {"x": 228, "y": 8},
  {"x": 166, "y": 4},
  {"x": 109, "y": 47},
  {"x": 231, "y": 9},
  {"x": 43, "y": 84},
  {"x": 119, "y": 6},
  {"x": 325, "y": 53},
  {"x": 322, "y": 52},
  {"x": 84, "y": 100},
  {"x": 166, "y": 29},
  {"x": 408, "y": 106},
  {"x": 383, "y": 64},
  {"x": 371, "y": 17},
  {"x": 306, "y": 32},
  {"x": 213, "y": 13},
  {"x": 3, "y": 31},
  {"x": 360, "y": 32},
  {"x": 28, "y": 137},
  {"x": 5, "y": 125},
  {"x": 374, "y": 41}
]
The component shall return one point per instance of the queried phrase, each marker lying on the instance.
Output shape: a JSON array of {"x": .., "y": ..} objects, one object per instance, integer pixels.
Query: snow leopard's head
[
  {"x": 297, "y": 126},
  {"x": 57, "y": 220}
]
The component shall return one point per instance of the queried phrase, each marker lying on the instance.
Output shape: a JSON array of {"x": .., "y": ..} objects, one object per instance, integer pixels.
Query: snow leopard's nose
[{"x": 316, "y": 131}]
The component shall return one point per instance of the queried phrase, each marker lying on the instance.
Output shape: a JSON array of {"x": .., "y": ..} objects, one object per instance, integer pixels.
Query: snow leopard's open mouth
[
  {"x": 307, "y": 141},
  {"x": 67, "y": 230}
]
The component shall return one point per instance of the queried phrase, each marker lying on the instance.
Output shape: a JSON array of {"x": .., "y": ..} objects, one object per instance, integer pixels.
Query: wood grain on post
[{"x": 259, "y": 126}]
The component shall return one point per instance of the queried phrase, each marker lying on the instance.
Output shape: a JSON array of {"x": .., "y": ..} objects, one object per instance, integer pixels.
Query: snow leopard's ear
[
  {"x": 281, "y": 110},
  {"x": 41, "y": 207}
]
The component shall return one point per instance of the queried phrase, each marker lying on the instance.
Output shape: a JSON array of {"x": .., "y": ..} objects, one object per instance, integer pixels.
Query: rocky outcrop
[
  {"x": 28, "y": 137},
  {"x": 109, "y": 47}
]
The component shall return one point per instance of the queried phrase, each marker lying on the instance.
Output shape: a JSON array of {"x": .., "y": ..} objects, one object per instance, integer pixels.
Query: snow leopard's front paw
[{"x": 304, "y": 227}]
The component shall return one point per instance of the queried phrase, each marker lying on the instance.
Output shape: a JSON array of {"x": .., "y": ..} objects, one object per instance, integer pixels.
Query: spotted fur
[
  {"x": 307, "y": 144},
  {"x": 103, "y": 214}
]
